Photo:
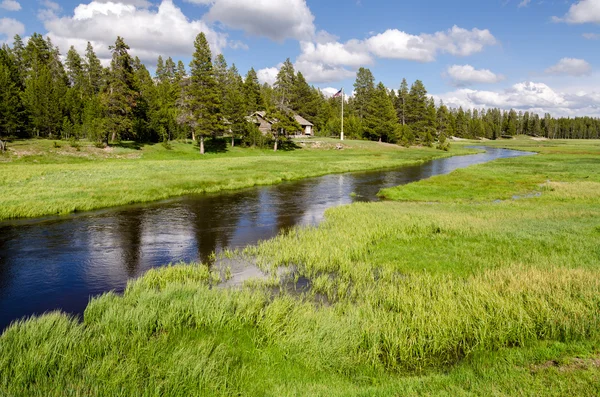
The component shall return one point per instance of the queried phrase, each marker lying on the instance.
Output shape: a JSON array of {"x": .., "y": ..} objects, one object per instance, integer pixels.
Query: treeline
[{"x": 42, "y": 96}]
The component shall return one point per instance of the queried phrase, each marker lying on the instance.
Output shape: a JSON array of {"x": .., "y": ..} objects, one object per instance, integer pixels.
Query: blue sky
[{"x": 531, "y": 55}]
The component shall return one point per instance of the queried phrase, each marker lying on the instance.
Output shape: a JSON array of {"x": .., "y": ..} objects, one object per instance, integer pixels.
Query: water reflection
[{"x": 59, "y": 263}]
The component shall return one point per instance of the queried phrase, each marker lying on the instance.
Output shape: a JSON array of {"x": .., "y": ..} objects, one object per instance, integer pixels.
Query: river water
[{"x": 60, "y": 262}]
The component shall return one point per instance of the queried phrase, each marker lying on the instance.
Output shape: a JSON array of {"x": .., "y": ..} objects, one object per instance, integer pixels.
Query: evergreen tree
[
  {"x": 430, "y": 123},
  {"x": 284, "y": 123},
  {"x": 416, "y": 110},
  {"x": 252, "y": 92},
  {"x": 10, "y": 106},
  {"x": 364, "y": 86},
  {"x": 284, "y": 85},
  {"x": 401, "y": 102},
  {"x": 203, "y": 93},
  {"x": 121, "y": 95},
  {"x": 443, "y": 120},
  {"x": 93, "y": 71},
  {"x": 234, "y": 107},
  {"x": 380, "y": 121},
  {"x": 75, "y": 99}
]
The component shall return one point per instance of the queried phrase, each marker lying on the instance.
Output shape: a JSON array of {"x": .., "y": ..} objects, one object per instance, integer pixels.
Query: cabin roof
[{"x": 302, "y": 121}]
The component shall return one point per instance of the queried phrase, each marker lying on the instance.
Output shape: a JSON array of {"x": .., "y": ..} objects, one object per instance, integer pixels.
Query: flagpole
[{"x": 342, "y": 134}]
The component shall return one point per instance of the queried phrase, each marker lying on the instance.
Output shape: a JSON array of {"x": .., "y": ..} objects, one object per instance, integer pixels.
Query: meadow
[
  {"x": 482, "y": 282},
  {"x": 43, "y": 177}
]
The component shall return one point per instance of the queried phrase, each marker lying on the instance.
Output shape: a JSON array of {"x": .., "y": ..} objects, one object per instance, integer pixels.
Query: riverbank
[
  {"x": 39, "y": 177},
  {"x": 452, "y": 289}
]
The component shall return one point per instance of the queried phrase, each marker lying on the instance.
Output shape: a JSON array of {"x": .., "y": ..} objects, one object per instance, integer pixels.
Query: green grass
[
  {"x": 452, "y": 289},
  {"x": 38, "y": 179}
]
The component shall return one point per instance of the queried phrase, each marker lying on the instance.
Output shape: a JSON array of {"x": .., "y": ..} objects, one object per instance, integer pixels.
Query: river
[{"x": 60, "y": 262}]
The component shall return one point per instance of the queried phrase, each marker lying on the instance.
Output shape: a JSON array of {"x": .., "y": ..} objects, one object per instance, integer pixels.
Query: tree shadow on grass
[
  {"x": 216, "y": 145},
  {"x": 128, "y": 145},
  {"x": 288, "y": 145}
]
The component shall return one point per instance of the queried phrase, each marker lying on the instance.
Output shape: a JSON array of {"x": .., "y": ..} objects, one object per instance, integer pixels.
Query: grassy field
[
  {"x": 482, "y": 282},
  {"x": 42, "y": 177}
]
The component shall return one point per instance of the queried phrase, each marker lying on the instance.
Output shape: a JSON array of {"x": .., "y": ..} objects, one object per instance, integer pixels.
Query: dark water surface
[{"x": 60, "y": 262}]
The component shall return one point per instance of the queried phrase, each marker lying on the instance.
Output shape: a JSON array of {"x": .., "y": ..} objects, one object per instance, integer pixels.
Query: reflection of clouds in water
[
  {"x": 104, "y": 264},
  {"x": 167, "y": 236}
]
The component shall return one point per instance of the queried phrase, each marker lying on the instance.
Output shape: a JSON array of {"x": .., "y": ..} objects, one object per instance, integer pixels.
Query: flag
[{"x": 339, "y": 93}]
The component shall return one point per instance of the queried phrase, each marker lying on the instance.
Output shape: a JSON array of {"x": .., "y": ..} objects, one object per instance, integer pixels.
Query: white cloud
[
  {"x": 524, "y": 3},
  {"x": 51, "y": 5},
  {"x": 584, "y": 11},
  {"x": 137, "y": 3},
  {"x": 591, "y": 36},
  {"x": 326, "y": 59},
  {"x": 267, "y": 75},
  {"x": 10, "y": 5},
  {"x": 396, "y": 44},
  {"x": 333, "y": 53},
  {"x": 9, "y": 27},
  {"x": 277, "y": 20},
  {"x": 321, "y": 73},
  {"x": 464, "y": 75},
  {"x": 527, "y": 96},
  {"x": 456, "y": 41},
  {"x": 149, "y": 33},
  {"x": 50, "y": 11},
  {"x": 571, "y": 67}
]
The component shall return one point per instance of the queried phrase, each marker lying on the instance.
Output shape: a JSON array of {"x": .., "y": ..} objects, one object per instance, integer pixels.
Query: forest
[{"x": 47, "y": 95}]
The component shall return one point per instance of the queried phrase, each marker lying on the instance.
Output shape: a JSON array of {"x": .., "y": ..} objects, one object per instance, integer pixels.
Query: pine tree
[
  {"x": 430, "y": 123},
  {"x": 304, "y": 99},
  {"x": 284, "y": 123},
  {"x": 75, "y": 99},
  {"x": 416, "y": 109},
  {"x": 203, "y": 93},
  {"x": 252, "y": 92},
  {"x": 146, "y": 93},
  {"x": 160, "y": 69},
  {"x": 443, "y": 120},
  {"x": 364, "y": 86},
  {"x": 284, "y": 85},
  {"x": 120, "y": 96},
  {"x": 234, "y": 107},
  {"x": 93, "y": 71},
  {"x": 401, "y": 102},
  {"x": 10, "y": 106},
  {"x": 380, "y": 121}
]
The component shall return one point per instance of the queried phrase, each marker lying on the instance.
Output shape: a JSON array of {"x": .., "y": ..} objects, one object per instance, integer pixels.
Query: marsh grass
[{"x": 482, "y": 294}]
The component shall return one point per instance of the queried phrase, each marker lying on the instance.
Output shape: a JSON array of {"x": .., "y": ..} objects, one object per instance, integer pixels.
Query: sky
[{"x": 535, "y": 55}]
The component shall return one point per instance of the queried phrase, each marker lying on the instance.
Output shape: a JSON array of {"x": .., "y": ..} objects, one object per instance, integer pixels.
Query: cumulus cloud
[
  {"x": 464, "y": 75},
  {"x": 333, "y": 53},
  {"x": 149, "y": 33},
  {"x": 329, "y": 60},
  {"x": 136, "y": 3},
  {"x": 10, "y": 5},
  {"x": 9, "y": 27},
  {"x": 268, "y": 75},
  {"x": 322, "y": 73},
  {"x": 277, "y": 20},
  {"x": 570, "y": 67},
  {"x": 584, "y": 11},
  {"x": 527, "y": 96}
]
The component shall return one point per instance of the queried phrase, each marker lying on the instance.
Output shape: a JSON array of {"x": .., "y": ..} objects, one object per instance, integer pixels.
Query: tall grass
[{"x": 461, "y": 297}]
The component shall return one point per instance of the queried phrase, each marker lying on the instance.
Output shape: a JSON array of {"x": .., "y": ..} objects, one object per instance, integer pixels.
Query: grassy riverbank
[
  {"x": 39, "y": 177},
  {"x": 452, "y": 289}
]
